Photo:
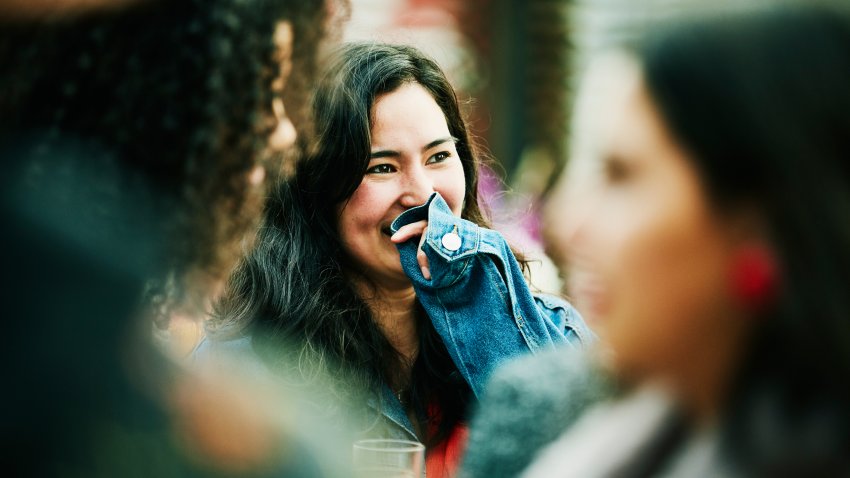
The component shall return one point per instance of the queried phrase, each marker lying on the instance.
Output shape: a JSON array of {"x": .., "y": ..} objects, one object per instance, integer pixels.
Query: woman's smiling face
[{"x": 412, "y": 155}]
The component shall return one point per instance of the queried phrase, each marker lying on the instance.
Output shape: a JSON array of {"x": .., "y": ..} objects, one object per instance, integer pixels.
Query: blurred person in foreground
[
  {"x": 135, "y": 142},
  {"x": 706, "y": 238}
]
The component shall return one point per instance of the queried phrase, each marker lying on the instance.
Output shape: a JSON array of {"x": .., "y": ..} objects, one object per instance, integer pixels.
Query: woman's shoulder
[
  {"x": 552, "y": 374},
  {"x": 527, "y": 404},
  {"x": 209, "y": 347},
  {"x": 566, "y": 317},
  {"x": 554, "y": 303},
  {"x": 232, "y": 353}
]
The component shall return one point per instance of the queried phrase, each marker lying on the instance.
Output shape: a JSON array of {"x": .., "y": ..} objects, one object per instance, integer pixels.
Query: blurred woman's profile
[
  {"x": 711, "y": 249},
  {"x": 705, "y": 235}
]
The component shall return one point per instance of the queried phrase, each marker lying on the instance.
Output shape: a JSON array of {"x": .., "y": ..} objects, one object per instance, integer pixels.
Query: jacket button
[{"x": 451, "y": 241}]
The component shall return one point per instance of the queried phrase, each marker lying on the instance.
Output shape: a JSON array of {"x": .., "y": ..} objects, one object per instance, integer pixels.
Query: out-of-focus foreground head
[
  {"x": 178, "y": 95},
  {"x": 133, "y": 142},
  {"x": 705, "y": 227}
]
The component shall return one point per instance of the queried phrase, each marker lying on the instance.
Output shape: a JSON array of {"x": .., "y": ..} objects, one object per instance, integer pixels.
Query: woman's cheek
[{"x": 452, "y": 186}]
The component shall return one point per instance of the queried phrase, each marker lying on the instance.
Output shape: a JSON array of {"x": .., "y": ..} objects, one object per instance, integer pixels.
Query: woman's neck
[{"x": 394, "y": 311}]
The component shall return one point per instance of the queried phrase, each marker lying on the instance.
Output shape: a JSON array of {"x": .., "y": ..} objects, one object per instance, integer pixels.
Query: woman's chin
[{"x": 389, "y": 278}]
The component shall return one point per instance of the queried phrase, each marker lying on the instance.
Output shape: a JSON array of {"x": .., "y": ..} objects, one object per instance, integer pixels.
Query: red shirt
[{"x": 443, "y": 460}]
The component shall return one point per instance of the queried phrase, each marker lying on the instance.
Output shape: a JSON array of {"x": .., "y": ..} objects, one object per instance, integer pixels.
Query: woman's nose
[
  {"x": 564, "y": 217},
  {"x": 417, "y": 187}
]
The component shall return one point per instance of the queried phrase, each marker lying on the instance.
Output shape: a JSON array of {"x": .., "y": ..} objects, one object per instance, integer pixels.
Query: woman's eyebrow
[
  {"x": 447, "y": 139},
  {"x": 389, "y": 153},
  {"x": 384, "y": 153}
]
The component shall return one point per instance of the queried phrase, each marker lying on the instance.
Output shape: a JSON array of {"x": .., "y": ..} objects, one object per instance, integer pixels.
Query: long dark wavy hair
[
  {"x": 762, "y": 103},
  {"x": 294, "y": 286}
]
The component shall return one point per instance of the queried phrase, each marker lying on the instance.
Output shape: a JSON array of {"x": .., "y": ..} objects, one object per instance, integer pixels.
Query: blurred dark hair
[
  {"x": 762, "y": 103},
  {"x": 125, "y": 137},
  {"x": 294, "y": 284},
  {"x": 179, "y": 92}
]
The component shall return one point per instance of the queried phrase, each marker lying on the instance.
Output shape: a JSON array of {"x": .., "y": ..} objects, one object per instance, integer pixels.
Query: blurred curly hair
[{"x": 178, "y": 91}]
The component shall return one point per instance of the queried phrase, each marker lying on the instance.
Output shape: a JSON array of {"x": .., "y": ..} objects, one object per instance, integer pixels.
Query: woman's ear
[
  {"x": 754, "y": 271},
  {"x": 754, "y": 278}
]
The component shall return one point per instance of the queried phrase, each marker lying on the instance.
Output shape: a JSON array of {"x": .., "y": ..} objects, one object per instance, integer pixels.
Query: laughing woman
[{"x": 375, "y": 261}]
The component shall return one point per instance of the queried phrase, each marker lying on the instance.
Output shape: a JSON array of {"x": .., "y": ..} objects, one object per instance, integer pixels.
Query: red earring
[{"x": 754, "y": 278}]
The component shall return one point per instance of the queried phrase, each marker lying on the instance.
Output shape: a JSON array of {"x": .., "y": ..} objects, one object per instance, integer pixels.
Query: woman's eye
[
  {"x": 439, "y": 157},
  {"x": 381, "y": 169}
]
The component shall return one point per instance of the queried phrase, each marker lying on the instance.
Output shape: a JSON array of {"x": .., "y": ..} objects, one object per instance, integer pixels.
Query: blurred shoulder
[
  {"x": 528, "y": 403},
  {"x": 550, "y": 373},
  {"x": 232, "y": 354}
]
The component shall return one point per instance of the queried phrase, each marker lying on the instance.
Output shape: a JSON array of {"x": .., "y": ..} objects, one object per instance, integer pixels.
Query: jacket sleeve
[{"x": 477, "y": 297}]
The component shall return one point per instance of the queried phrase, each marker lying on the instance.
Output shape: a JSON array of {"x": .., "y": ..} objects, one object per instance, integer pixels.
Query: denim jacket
[{"x": 478, "y": 301}]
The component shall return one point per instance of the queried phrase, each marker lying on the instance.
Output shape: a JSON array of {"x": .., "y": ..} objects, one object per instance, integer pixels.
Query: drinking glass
[{"x": 385, "y": 458}]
